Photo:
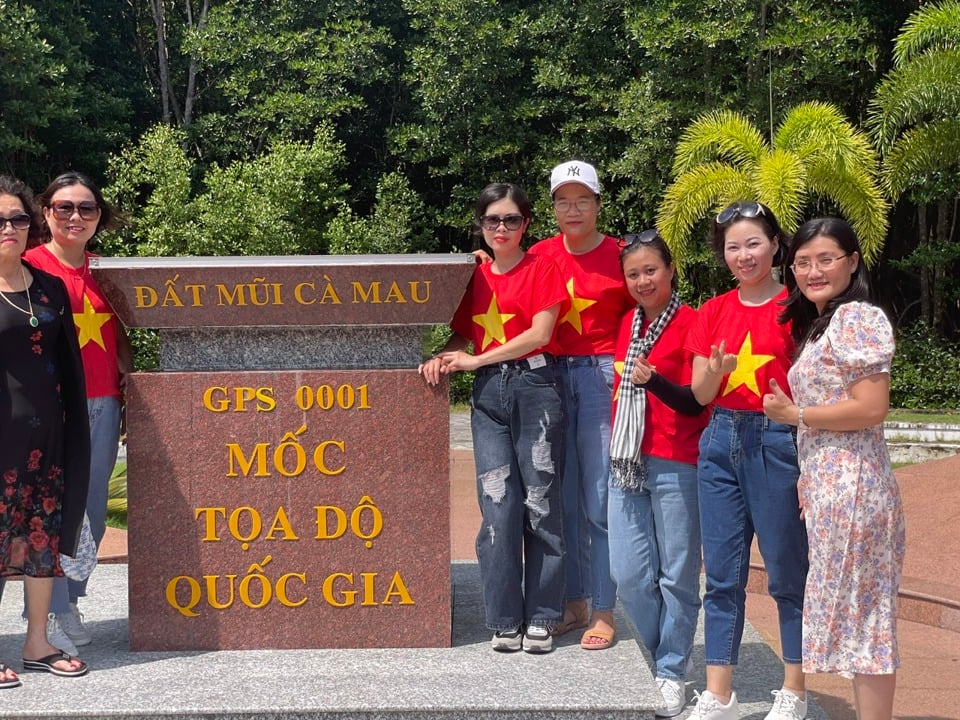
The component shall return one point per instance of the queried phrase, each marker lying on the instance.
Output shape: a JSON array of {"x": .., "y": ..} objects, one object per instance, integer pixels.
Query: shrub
[{"x": 926, "y": 370}]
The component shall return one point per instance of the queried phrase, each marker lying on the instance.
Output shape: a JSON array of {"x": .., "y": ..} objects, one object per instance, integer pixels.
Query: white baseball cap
[{"x": 575, "y": 171}]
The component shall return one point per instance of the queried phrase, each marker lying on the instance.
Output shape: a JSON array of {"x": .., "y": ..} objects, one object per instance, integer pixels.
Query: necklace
[{"x": 33, "y": 318}]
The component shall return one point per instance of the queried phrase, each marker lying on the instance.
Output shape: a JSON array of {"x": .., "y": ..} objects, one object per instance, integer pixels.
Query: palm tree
[
  {"x": 815, "y": 153},
  {"x": 913, "y": 118}
]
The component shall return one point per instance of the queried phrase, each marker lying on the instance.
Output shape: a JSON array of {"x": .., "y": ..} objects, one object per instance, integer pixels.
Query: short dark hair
[
  {"x": 807, "y": 323},
  {"x": 765, "y": 219},
  {"x": 109, "y": 217},
  {"x": 10, "y": 185}
]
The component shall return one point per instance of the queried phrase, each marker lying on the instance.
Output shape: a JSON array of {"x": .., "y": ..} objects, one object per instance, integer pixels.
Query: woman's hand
[
  {"x": 458, "y": 360},
  {"x": 431, "y": 370},
  {"x": 642, "y": 371},
  {"x": 779, "y": 407},
  {"x": 720, "y": 361}
]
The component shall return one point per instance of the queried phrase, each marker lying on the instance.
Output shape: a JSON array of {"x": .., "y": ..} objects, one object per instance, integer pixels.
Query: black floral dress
[{"x": 33, "y": 375}]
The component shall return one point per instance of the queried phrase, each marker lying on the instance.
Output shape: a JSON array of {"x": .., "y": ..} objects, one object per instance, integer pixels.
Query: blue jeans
[
  {"x": 517, "y": 425},
  {"x": 748, "y": 484},
  {"x": 588, "y": 392},
  {"x": 655, "y": 560},
  {"x": 104, "y": 415}
]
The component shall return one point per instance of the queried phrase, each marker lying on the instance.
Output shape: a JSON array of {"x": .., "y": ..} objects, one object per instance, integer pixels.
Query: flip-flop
[
  {"x": 5, "y": 684},
  {"x": 46, "y": 664}
]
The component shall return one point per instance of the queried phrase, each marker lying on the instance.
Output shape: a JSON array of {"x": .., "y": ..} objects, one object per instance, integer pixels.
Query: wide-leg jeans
[
  {"x": 655, "y": 560},
  {"x": 517, "y": 426},
  {"x": 747, "y": 475},
  {"x": 588, "y": 394}
]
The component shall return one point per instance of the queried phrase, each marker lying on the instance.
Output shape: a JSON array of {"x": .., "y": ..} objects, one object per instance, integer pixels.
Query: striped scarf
[{"x": 626, "y": 463}]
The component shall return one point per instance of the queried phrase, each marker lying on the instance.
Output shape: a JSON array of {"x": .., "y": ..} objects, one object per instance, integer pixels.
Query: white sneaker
[
  {"x": 674, "y": 696},
  {"x": 787, "y": 706},
  {"x": 72, "y": 624},
  {"x": 537, "y": 639},
  {"x": 507, "y": 640},
  {"x": 58, "y": 638},
  {"x": 709, "y": 708}
]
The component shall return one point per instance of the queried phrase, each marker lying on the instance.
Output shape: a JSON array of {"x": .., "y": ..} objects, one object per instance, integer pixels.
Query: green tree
[
  {"x": 914, "y": 120},
  {"x": 816, "y": 161}
]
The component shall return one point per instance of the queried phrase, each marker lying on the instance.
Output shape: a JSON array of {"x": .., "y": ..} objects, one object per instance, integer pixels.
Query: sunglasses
[
  {"x": 492, "y": 222},
  {"x": 17, "y": 222},
  {"x": 749, "y": 209},
  {"x": 64, "y": 210},
  {"x": 644, "y": 238}
]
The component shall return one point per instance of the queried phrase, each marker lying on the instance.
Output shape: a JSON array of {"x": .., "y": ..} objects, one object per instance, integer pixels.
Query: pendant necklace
[{"x": 33, "y": 318}]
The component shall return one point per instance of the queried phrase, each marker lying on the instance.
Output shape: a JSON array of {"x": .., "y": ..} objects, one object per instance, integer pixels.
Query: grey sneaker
[
  {"x": 507, "y": 640},
  {"x": 537, "y": 639},
  {"x": 709, "y": 708},
  {"x": 72, "y": 624},
  {"x": 674, "y": 696},
  {"x": 787, "y": 706},
  {"x": 58, "y": 638}
]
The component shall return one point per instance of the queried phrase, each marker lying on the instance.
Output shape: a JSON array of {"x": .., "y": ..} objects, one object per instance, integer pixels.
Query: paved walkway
[{"x": 929, "y": 629}]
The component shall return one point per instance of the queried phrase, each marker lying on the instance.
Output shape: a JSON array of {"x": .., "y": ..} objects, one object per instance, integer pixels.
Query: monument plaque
[{"x": 288, "y": 471}]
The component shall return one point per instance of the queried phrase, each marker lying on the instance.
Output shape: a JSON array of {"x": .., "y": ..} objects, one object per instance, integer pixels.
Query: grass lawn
[{"x": 943, "y": 417}]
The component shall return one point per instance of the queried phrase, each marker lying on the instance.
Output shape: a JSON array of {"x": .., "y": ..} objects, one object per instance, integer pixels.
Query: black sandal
[{"x": 46, "y": 664}]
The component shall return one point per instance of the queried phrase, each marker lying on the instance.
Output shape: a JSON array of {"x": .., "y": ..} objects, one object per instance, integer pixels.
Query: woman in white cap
[{"x": 586, "y": 334}]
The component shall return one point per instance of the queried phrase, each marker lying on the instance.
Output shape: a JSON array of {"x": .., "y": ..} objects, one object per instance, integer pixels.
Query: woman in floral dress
[{"x": 841, "y": 388}]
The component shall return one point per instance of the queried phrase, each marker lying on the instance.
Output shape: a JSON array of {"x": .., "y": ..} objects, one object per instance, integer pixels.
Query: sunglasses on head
[
  {"x": 64, "y": 210},
  {"x": 748, "y": 209},
  {"x": 644, "y": 238}
]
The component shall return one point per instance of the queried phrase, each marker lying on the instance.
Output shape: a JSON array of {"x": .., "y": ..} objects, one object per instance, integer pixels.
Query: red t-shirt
[
  {"x": 667, "y": 434},
  {"x": 597, "y": 296},
  {"x": 497, "y": 308},
  {"x": 97, "y": 325},
  {"x": 763, "y": 347}
]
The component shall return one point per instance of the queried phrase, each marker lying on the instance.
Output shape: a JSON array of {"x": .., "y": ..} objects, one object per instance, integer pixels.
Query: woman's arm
[
  {"x": 535, "y": 336},
  {"x": 431, "y": 368},
  {"x": 866, "y": 407}
]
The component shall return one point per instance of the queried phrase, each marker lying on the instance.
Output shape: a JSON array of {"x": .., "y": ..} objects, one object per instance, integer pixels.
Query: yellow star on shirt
[
  {"x": 576, "y": 305},
  {"x": 89, "y": 323},
  {"x": 492, "y": 322},
  {"x": 618, "y": 366},
  {"x": 747, "y": 366}
]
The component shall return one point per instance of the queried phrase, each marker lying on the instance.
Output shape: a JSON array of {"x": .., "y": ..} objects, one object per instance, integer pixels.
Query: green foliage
[
  {"x": 117, "y": 497},
  {"x": 146, "y": 348},
  {"x": 926, "y": 370},
  {"x": 395, "y": 225}
]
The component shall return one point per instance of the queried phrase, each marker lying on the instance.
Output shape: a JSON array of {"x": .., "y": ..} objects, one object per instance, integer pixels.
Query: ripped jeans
[{"x": 517, "y": 424}]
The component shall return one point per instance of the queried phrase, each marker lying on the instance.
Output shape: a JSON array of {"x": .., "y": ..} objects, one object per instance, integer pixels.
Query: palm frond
[
  {"x": 859, "y": 199},
  {"x": 931, "y": 27},
  {"x": 722, "y": 136},
  {"x": 918, "y": 153},
  {"x": 924, "y": 89},
  {"x": 780, "y": 183},
  {"x": 694, "y": 195},
  {"x": 817, "y": 130}
]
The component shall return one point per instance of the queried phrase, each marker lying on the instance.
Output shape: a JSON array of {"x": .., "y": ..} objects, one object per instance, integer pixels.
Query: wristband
[{"x": 800, "y": 417}]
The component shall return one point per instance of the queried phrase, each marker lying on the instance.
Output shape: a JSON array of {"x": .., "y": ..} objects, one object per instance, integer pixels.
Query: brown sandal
[
  {"x": 575, "y": 616},
  {"x": 600, "y": 634}
]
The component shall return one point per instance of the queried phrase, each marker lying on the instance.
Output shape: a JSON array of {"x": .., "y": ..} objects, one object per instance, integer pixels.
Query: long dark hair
[
  {"x": 758, "y": 213},
  {"x": 109, "y": 218},
  {"x": 808, "y": 323},
  {"x": 20, "y": 190},
  {"x": 498, "y": 191}
]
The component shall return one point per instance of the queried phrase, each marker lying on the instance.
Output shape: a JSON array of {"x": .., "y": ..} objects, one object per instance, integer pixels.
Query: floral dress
[
  {"x": 852, "y": 505},
  {"x": 31, "y": 438}
]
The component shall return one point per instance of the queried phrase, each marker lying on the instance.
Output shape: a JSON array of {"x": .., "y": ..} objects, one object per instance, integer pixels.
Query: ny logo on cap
[{"x": 573, "y": 170}]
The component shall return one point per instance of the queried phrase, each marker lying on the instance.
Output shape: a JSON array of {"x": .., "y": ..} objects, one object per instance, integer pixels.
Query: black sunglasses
[
  {"x": 492, "y": 222},
  {"x": 749, "y": 209},
  {"x": 644, "y": 238}
]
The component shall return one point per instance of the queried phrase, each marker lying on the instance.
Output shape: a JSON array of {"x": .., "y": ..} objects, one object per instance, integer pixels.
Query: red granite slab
[
  {"x": 182, "y": 292},
  {"x": 251, "y": 510}
]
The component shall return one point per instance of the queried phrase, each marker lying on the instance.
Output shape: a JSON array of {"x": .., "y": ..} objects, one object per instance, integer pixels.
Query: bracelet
[{"x": 800, "y": 416}]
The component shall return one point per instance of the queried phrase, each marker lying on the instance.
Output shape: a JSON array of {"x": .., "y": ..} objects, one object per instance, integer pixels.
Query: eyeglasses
[
  {"x": 803, "y": 267},
  {"x": 581, "y": 204},
  {"x": 65, "y": 210},
  {"x": 492, "y": 222},
  {"x": 644, "y": 238},
  {"x": 17, "y": 222},
  {"x": 749, "y": 209}
]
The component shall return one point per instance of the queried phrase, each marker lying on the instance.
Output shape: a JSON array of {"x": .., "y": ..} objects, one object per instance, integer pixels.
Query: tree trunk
[
  {"x": 190, "y": 98},
  {"x": 924, "y": 242},
  {"x": 939, "y": 268}
]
